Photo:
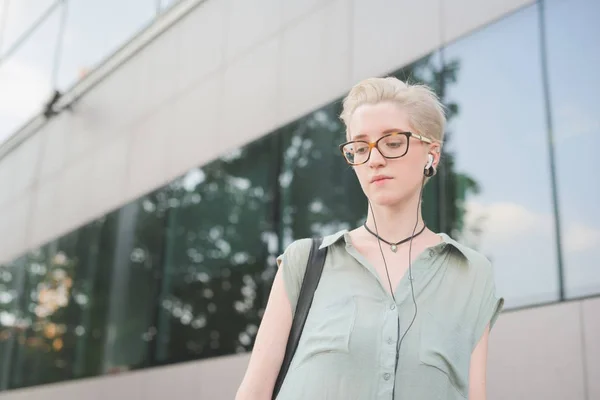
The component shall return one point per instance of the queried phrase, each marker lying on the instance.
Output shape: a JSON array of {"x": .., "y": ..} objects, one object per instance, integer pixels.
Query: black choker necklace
[{"x": 393, "y": 246}]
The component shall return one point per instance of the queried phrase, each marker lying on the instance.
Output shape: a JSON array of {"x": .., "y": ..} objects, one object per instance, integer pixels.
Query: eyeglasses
[{"x": 393, "y": 145}]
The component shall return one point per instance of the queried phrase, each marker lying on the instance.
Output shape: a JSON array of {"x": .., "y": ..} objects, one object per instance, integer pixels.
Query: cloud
[
  {"x": 504, "y": 222},
  {"x": 574, "y": 121},
  {"x": 579, "y": 238}
]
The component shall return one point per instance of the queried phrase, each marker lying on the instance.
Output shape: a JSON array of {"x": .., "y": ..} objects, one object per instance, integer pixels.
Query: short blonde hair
[{"x": 425, "y": 111}]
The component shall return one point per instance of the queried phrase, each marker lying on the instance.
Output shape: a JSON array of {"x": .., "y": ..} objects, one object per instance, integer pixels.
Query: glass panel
[
  {"x": 55, "y": 307},
  {"x": 11, "y": 287},
  {"x": 573, "y": 40},
  {"x": 25, "y": 77},
  {"x": 220, "y": 242},
  {"x": 20, "y": 15},
  {"x": 130, "y": 296},
  {"x": 96, "y": 29},
  {"x": 319, "y": 191},
  {"x": 498, "y": 136},
  {"x": 166, "y": 4},
  {"x": 36, "y": 305}
]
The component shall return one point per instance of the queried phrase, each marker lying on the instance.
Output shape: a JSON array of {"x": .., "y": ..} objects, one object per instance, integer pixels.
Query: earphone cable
[{"x": 410, "y": 277}]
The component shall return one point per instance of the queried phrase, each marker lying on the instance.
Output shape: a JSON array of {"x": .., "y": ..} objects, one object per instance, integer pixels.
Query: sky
[
  {"x": 26, "y": 77},
  {"x": 499, "y": 135}
]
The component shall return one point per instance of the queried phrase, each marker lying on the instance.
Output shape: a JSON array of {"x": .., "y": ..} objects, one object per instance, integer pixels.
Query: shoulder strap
[{"x": 314, "y": 268}]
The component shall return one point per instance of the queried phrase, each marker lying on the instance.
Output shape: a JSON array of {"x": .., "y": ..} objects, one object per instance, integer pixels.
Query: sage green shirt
[{"x": 348, "y": 346}]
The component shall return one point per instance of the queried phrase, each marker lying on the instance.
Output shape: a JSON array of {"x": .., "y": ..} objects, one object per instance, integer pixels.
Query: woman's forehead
[{"x": 375, "y": 120}]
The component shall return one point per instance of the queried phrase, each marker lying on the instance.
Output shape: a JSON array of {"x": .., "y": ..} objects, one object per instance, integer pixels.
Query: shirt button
[
  {"x": 390, "y": 340},
  {"x": 431, "y": 253},
  {"x": 392, "y": 306},
  {"x": 387, "y": 376}
]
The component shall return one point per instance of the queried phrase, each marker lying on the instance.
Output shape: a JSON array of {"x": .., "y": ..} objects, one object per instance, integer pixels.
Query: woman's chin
[{"x": 383, "y": 199}]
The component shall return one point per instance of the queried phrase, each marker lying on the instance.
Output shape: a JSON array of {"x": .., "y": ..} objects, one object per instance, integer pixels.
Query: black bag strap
[{"x": 312, "y": 275}]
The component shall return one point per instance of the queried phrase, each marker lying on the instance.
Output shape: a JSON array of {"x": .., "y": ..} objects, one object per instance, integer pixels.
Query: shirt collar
[
  {"x": 333, "y": 238},
  {"x": 329, "y": 240}
]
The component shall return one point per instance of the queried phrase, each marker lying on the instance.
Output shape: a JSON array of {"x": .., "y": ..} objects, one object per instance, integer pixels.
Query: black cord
[{"x": 412, "y": 289}]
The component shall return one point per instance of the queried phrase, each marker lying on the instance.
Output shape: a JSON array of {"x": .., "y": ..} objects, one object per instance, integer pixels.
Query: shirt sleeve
[
  {"x": 490, "y": 304},
  {"x": 293, "y": 266}
]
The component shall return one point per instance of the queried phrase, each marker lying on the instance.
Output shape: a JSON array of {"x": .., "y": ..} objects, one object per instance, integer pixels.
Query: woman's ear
[{"x": 435, "y": 150}]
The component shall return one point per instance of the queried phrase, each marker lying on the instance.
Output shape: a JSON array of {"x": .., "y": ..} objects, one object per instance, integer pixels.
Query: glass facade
[
  {"x": 500, "y": 142},
  {"x": 573, "y": 53},
  {"x": 184, "y": 272},
  {"x": 48, "y": 45}
]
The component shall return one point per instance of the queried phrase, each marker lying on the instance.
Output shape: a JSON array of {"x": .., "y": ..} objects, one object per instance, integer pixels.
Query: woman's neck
[{"x": 395, "y": 223}]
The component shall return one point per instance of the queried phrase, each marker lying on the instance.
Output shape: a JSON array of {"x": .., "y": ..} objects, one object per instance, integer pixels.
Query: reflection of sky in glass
[
  {"x": 20, "y": 15},
  {"x": 499, "y": 139},
  {"x": 573, "y": 59},
  {"x": 94, "y": 30},
  {"x": 25, "y": 77}
]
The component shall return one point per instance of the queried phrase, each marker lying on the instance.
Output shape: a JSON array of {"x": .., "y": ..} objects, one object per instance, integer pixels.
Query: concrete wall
[
  {"x": 230, "y": 70},
  {"x": 549, "y": 353}
]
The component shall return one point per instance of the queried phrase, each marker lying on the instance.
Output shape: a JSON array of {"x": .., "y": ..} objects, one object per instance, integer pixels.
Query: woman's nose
[{"x": 376, "y": 158}]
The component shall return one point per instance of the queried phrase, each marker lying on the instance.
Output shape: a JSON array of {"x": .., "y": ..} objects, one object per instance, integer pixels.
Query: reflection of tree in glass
[
  {"x": 217, "y": 249},
  {"x": 42, "y": 353},
  {"x": 450, "y": 187}
]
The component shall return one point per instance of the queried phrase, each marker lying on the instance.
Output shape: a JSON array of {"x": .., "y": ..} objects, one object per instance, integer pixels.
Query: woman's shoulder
[{"x": 469, "y": 257}]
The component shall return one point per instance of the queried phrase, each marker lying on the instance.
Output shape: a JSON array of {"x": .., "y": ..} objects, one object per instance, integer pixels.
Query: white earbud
[{"x": 429, "y": 161}]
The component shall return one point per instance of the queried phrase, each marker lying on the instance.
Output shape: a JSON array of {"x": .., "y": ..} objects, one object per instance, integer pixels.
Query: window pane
[
  {"x": 20, "y": 17},
  {"x": 320, "y": 193},
  {"x": 498, "y": 138},
  {"x": 32, "y": 346},
  {"x": 54, "y": 309},
  {"x": 220, "y": 242},
  {"x": 11, "y": 286},
  {"x": 573, "y": 39},
  {"x": 129, "y": 297},
  {"x": 96, "y": 29},
  {"x": 25, "y": 77}
]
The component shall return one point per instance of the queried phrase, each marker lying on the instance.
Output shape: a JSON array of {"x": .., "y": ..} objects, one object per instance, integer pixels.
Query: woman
[{"x": 400, "y": 312}]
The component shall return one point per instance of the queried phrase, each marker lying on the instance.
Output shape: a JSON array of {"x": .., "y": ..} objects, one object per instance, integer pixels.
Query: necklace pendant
[{"x": 394, "y": 248}]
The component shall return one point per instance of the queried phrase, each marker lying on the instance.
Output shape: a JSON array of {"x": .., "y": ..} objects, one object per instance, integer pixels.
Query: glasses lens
[
  {"x": 393, "y": 146},
  {"x": 356, "y": 152}
]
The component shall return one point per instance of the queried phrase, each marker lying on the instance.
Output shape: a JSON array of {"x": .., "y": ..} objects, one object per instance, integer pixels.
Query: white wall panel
[
  {"x": 315, "y": 55},
  {"x": 591, "y": 335},
  {"x": 162, "y": 73},
  {"x": 537, "y": 354},
  {"x": 248, "y": 107},
  {"x": 109, "y": 180},
  {"x": 147, "y": 156},
  {"x": 297, "y": 9},
  {"x": 54, "y": 150},
  {"x": 45, "y": 212},
  {"x": 389, "y": 34},
  {"x": 74, "y": 196},
  {"x": 14, "y": 227},
  {"x": 250, "y": 23},
  {"x": 195, "y": 140},
  {"x": 202, "y": 47},
  {"x": 6, "y": 178},
  {"x": 25, "y": 165}
]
